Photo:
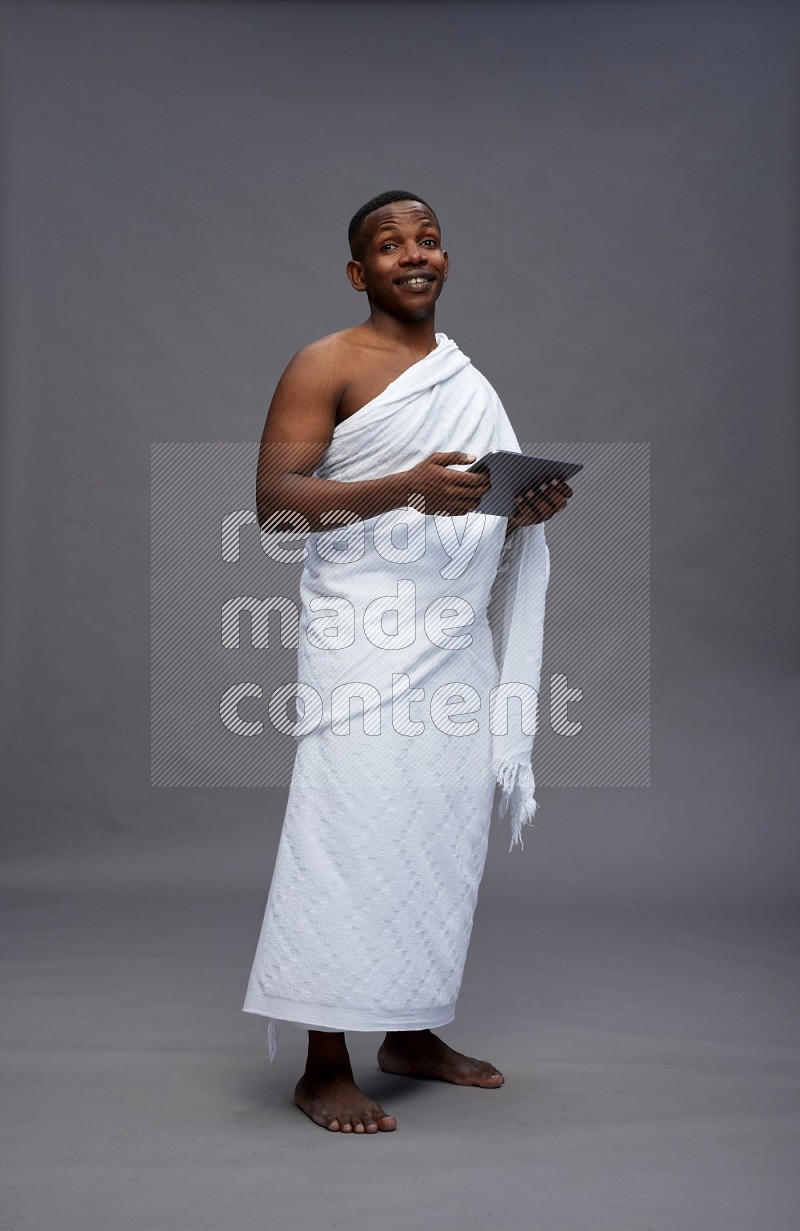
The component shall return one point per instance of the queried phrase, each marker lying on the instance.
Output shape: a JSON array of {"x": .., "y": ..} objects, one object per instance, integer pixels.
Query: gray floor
[{"x": 650, "y": 1064}]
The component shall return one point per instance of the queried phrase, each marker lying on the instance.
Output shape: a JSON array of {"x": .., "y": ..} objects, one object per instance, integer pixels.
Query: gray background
[{"x": 618, "y": 189}]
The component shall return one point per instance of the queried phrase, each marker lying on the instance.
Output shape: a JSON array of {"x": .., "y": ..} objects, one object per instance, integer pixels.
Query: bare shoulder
[
  {"x": 309, "y": 391},
  {"x": 329, "y": 359},
  {"x": 327, "y": 379}
]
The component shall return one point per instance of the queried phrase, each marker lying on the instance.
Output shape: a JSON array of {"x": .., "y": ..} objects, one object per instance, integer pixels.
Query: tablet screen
[{"x": 511, "y": 474}]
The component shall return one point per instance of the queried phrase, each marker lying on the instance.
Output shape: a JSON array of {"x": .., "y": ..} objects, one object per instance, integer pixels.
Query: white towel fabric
[{"x": 383, "y": 845}]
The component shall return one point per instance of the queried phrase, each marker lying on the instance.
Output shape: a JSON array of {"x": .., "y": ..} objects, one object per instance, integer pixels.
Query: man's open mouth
[{"x": 415, "y": 279}]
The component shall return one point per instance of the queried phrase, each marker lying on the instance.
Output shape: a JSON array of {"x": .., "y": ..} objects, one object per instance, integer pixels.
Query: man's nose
[{"x": 413, "y": 253}]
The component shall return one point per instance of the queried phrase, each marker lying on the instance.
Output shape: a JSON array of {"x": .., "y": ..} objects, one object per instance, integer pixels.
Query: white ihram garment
[{"x": 384, "y": 839}]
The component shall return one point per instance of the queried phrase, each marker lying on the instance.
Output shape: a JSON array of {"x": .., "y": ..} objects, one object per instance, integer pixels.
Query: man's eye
[{"x": 430, "y": 241}]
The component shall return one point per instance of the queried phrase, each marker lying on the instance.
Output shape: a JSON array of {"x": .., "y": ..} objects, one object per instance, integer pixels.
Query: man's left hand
[{"x": 539, "y": 504}]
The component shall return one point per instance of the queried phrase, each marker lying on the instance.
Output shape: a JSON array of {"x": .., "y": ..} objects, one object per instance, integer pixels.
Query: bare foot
[
  {"x": 418, "y": 1053},
  {"x": 333, "y": 1100}
]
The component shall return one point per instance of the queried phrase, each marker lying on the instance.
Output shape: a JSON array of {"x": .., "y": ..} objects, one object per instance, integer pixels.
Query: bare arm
[{"x": 298, "y": 429}]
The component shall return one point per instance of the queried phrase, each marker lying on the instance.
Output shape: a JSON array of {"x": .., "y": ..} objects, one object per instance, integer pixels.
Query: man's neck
[{"x": 416, "y": 337}]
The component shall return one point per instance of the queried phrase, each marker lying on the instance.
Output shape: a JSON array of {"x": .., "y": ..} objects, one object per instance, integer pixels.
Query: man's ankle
[
  {"x": 327, "y": 1055},
  {"x": 325, "y": 1070}
]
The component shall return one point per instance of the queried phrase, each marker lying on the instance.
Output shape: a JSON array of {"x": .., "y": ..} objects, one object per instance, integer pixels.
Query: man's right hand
[{"x": 436, "y": 490}]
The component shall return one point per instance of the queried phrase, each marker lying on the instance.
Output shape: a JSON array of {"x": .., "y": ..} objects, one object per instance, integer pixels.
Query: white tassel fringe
[
  {"x": 517, "y": 784},
  {"x": 273, "y": 1035}
]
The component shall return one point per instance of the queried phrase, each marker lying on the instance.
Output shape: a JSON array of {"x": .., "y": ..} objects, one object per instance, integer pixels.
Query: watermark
[
  {"x": 263, "y": 635},
  {"x": 444, "y": 714}
]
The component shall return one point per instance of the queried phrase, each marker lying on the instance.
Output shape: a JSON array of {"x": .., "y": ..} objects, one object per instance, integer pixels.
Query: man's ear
[
  {"x": 354, "y": 271},
  {"x": 446, "y": 266}
]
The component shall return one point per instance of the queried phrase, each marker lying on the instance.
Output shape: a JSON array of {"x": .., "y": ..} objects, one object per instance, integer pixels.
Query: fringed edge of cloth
[
  {"x": 517, "y": 784},
  {"x": 273, "y": 1036}
]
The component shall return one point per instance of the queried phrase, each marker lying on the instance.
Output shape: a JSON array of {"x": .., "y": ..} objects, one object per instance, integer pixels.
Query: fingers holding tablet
[
  {"x": 548, "y": 497},
  {"x": 540, "y": 504},
  {"x": 517, "y": 479}
]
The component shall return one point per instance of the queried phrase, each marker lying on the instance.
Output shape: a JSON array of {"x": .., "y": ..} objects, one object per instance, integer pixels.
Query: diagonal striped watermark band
[{"x": 227, "y": 707}]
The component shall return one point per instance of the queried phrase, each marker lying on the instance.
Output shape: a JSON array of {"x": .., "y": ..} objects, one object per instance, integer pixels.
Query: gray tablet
[{"x": 511, "y": 474}]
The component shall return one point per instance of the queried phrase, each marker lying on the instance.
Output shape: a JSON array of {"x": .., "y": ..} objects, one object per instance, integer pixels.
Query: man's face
[{"x": 402, "y": 266}]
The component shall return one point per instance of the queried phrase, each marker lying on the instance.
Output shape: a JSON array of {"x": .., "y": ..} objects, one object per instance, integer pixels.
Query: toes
[
  {"x": 483, "y": 1074},
  {"x": 358, "y": 1126},
  {"x": 333, "y": 1125},
  {"x": 484, "y": 1068},
  {"x": 347, "y": 1127},
  {"x": 386, "y": 1123},
  {"x": 371, "y": 1126}
]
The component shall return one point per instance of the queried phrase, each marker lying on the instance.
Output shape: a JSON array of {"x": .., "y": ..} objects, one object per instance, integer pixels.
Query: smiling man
[{"x": 384, "y": 840}]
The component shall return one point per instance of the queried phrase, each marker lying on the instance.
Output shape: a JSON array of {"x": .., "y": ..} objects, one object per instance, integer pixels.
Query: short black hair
[{"x": 385, "y": 198}]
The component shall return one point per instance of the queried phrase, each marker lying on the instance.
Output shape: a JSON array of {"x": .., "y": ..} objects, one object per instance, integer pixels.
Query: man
[{"x": 384, "y": 840}]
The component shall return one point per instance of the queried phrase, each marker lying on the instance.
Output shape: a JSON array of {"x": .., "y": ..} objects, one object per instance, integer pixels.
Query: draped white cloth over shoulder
[{"x": 419, "y": 664}]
